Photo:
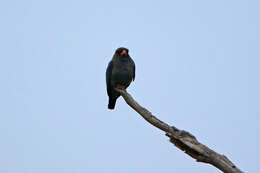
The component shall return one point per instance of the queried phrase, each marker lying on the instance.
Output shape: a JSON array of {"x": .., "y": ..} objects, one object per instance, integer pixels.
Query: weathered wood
[{"x": 183, "y": 139}]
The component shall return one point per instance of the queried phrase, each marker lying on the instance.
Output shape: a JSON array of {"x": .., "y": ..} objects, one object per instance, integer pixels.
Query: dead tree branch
[{"x": 183, "y": 139}]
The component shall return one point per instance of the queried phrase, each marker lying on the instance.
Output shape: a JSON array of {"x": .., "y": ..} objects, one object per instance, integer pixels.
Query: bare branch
[{"x": 183, "y": 139}]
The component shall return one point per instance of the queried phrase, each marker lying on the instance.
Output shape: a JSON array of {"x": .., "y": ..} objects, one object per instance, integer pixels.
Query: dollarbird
[{"x": 119, "y": 74}]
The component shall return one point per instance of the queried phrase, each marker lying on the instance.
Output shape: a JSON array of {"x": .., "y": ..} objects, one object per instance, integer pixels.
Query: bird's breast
[{"x": 122, "y": 75}]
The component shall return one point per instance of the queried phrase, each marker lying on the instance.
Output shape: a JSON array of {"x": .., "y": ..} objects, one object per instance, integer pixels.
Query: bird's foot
[{"x": 118, "y": 86}]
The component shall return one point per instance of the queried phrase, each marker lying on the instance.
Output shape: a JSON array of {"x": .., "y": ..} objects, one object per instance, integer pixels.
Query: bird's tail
[{"x": 111, "y": 103}]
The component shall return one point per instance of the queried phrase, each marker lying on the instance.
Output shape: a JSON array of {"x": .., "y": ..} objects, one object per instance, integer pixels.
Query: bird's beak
[{"x": 123, "y": 52}]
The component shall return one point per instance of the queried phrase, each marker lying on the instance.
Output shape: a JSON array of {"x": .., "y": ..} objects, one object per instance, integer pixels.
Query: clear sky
[{"x": 197, "y": 68}]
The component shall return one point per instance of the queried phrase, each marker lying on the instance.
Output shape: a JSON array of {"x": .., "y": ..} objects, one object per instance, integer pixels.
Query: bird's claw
[{"x": 118, "y": 86}]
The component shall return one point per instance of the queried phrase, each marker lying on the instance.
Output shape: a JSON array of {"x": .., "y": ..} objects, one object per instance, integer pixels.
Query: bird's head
[{"x": 122, "y": 52}]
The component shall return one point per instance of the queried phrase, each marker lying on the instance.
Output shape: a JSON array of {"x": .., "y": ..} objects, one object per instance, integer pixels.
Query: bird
[{"x": 120, "y": 73}]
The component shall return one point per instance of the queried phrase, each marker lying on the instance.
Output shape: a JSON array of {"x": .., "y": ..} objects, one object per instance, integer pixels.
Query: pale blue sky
[{"x": 197, "y": 67}]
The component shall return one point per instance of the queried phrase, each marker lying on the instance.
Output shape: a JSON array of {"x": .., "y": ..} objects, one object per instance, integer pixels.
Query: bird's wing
[
  {"x": 134, "y": 72},
  {"x": 108, "y": 77},
  {"x": 133, "y": 65}
]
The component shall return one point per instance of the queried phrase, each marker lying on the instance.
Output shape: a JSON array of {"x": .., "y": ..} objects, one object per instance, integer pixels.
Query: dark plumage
[{"x": 120, "y": 73}]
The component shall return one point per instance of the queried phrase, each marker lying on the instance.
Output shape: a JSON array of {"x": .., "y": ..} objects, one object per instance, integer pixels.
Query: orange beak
[{"x": 123, "y": 52}]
